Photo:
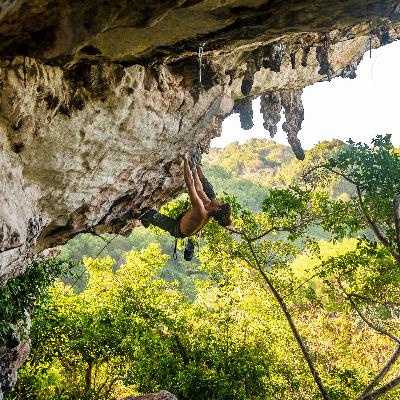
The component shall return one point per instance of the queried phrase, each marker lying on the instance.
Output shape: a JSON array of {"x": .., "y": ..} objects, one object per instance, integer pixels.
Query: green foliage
[
  {"x": 255, "y": 159},
  {"x": 89, "y": 246},
  {"x": 248, "y": 193},
  {"x": 269, "y": 164},
  {"x": 133, "y": 329},
  {"x": 20, "y": 294}
]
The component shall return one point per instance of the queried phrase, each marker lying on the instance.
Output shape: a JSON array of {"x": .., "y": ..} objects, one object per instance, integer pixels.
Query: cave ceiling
[{"x": 100, "y": 99}]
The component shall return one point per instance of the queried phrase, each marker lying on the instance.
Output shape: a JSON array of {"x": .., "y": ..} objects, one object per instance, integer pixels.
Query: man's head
[{"x": 221, "y": 212}]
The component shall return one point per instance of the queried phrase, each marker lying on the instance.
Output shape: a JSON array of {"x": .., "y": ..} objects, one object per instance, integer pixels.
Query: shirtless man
[{"x": 204, "y": 206}]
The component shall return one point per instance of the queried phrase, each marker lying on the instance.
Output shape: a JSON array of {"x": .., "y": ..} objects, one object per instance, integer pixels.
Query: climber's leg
[
  {"x": 208, "y": 188},
  {"x": 153, "y": 217}
]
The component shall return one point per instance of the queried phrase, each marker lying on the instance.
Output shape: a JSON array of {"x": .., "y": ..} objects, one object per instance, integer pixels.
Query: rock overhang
[{"x": 97, "y": 98}]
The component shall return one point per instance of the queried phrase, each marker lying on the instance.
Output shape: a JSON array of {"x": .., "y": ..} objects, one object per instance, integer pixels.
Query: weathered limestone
[
  {"x": 163, "y": 395},
  {"x": 82, "y": 147}
]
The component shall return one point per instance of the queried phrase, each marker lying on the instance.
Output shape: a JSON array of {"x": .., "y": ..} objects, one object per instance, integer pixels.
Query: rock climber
[{"x": 204, "y": 203}]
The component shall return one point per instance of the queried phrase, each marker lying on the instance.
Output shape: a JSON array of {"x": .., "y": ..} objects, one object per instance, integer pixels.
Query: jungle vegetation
[{"x": 298, "y": 299}]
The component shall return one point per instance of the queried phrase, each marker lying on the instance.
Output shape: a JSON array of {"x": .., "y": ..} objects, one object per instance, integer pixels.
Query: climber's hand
[{"x": 187, "y": 162}]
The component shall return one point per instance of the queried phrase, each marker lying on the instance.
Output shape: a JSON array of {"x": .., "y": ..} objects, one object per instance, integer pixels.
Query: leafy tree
[
  {"x": 132, "y": 331},
  {"x": 352, "y": 276},
  {"x": 20, "y": 295}
]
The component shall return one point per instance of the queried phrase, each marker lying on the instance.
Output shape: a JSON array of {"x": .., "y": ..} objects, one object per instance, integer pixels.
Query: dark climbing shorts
[{"x": 171, "y": 225}]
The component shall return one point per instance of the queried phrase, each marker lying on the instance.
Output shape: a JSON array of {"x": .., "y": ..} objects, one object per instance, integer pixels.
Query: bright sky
[{"x": 357, "y": 108}]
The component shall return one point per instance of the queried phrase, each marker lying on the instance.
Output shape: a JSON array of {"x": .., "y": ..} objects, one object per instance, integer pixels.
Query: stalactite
[
  {"x": 304, "y": 57},
  {"x": 290, "y": 101},
  {"x": 245, "y": 110},
  {"x": 322, "y": 52},
  {"x": 294, "y": 115},
  {"x": 271, "y": 106},
  {"x": 248, "y": 79}
]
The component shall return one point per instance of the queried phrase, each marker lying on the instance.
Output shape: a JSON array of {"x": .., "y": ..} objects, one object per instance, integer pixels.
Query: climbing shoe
[{"x": 189, "y": 250}]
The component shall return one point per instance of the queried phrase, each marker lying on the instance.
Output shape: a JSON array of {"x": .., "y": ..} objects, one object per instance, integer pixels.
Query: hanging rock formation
[
  {"x": 99, "y": 102},
  {"x": 271, "y": 105}
]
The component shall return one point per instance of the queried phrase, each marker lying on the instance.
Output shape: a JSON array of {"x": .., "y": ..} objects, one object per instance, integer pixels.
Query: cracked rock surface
[
  {"x": 99, "y": 102},
  {"x": 162, "y": 395}
]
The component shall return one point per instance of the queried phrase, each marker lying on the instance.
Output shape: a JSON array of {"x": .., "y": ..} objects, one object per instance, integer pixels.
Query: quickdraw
[{"x": 200, "y": 55}]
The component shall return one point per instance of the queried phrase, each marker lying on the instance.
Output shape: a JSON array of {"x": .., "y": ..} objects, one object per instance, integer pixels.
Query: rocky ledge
[{"x": 163, "y": 395}]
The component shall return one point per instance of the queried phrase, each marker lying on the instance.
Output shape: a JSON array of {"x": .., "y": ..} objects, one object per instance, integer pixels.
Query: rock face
[
  {"x": 99, "y": 102},
  {"x": 163, "y": 395},
  {"x": 83, "y": 146}
]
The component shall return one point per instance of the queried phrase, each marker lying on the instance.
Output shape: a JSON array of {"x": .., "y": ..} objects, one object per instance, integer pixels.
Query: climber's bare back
[{"x": 192, "y": 222}]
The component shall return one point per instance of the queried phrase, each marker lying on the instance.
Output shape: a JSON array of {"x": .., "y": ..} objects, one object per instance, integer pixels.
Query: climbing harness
[{"x": 200, "y": 56}]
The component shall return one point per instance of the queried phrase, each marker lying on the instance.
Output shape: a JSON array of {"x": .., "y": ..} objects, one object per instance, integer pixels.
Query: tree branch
[
  {"x": 302, "y": 284},
  {"x": 329, "y": 168},
  {"x": 233, "y": 230},
  {"x": 102, "y": 385},
  {"x": 384, "y": 389},
  {"x": 249, "y": 272},
  {"x": 368, "y": 322},
  {"x": 181, "y": 349},
  {"x": 292, "y": 325},
  {"x": 268, "y": 231},
  {"x": 385, "y": 304},
  {"x": 396, "y": 215},
  {"x": 381, "y": 374},
  {"x": 88, "y": 377},
  {"x": 370, "y": 221},
  {"x": 366, "y": 394},
  {"x": 373, "y": 225},
  {"x": 261, "y": 235},
  {"x": 110, "y": 386}
]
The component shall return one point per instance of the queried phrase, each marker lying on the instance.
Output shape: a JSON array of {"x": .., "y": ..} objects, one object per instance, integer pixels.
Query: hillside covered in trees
[
  {"x": 267, "y": 309},
  {"x": 266, "y": 164}
]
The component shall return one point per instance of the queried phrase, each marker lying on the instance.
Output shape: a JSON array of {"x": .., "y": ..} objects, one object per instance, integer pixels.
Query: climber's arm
[
  {"x": 193, "y": 195},
  {"x": 207, "y": 187},
  {"x": 199, "y": 187}
]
